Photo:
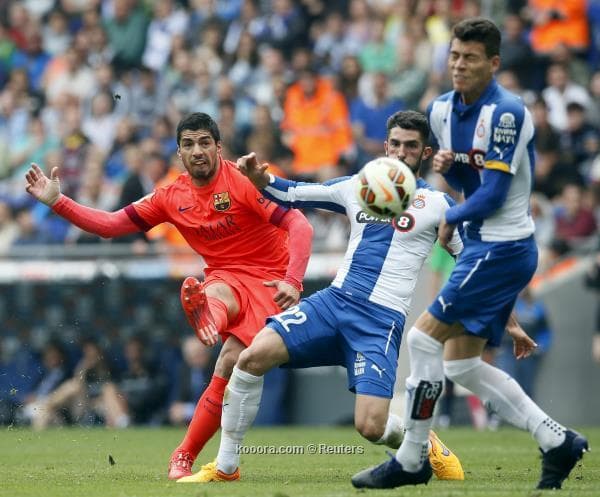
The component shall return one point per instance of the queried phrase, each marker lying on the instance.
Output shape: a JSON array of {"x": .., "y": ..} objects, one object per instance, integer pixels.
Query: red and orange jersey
[{"x": 228, "y": 222}]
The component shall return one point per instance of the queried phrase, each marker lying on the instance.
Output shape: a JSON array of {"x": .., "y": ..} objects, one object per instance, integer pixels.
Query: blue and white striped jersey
[
  {"x": 495, "y": 132},
  {"x": 384, "y": 257}
]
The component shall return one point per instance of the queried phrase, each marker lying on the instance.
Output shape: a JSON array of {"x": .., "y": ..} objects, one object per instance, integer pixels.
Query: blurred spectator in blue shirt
[{"x": 531, "y": 315}]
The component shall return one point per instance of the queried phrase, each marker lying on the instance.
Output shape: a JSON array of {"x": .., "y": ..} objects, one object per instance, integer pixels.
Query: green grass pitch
[{"x": 74, "y": 462}]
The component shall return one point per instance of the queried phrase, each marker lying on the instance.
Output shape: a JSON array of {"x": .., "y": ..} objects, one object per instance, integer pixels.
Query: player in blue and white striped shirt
[
  {"x": 358, "y": 321},
  {"x": 485, "y": 139}
]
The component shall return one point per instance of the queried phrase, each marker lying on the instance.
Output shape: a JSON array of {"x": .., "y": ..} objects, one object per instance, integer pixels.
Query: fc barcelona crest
[{"x": 221, "y": 201}]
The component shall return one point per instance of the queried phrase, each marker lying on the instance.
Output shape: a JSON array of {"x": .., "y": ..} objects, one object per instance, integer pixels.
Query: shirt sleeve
[
  {"x": 331, "y": 195},
  {"x": 511, "y": 130},
  {"x": 266, "y": 208},
  {"x": 148, "y": 211}
]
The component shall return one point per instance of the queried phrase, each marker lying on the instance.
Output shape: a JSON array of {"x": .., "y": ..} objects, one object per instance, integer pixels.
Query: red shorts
[{"x": 255, "y": 301}]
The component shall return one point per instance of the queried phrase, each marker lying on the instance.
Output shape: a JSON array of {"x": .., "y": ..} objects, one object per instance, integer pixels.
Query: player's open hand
[
  {"x": 44, "y": 189},
  {"x": 286, "y": 296},
  {"x": 523, "y": 344},
  {"x": 442, "y": 160},
  {"x": 255, "y": 172}
]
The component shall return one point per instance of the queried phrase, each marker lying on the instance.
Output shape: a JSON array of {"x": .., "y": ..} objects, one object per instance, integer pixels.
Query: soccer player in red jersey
[{"x": 256, "y": 254}]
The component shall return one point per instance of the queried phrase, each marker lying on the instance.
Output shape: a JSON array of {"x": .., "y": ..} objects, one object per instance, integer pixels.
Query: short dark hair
[
  {"x": 409, "y": 119},
  {"x": 575, "y": 107},
  {"x": 196, "y": 121},
  {"x": 481, "y": 30}
]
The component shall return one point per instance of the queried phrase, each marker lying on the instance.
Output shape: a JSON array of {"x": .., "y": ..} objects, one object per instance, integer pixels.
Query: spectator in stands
[
  {"x": 546, "y": 136},
  {"x": 517, "y": 55},
  {"x": 368, "y": 114},
  {"x": 316, "y": 126},
  {"x": 32, "y": 58},
  {"x": 332, "y": 44},
  {"x": 377, "y": 55},
  {"x": 100, "y": 125},
  {"x": 56, "y": 36},
  {"x": 244, "y": 62},
  {"x": 69, "y": 74},
  {"x": 561, "y": 91},
  {"x": 558, "y": 22},
  {"x": 80, "y": 398},
  {"x": 581, "y": 140},
  {"x": 409, "y": 82},
  {"x": 532, "y": 316},
  {"x": 574, "y": 221},
  {"x": 286, "y": 27},
  {"x": 31, "y": 147},
  {"x": 194, "y": 375},
  {"x": 20, "y": 373},
  {"x": 264, "y": 138},
  {"x": 348, "y": 78},
  {"x": 126, "y": 31},
  {"x": 55, "y": 370},
  {"x": 250, "y": 21},
  {"x": 29, "y": 231},
  {"x": 168, "y": 21},
  {"x": 140, "y": 391}
]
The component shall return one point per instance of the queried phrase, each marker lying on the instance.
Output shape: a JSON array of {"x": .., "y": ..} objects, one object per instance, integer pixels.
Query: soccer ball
[{"x": 385, "y": 187}]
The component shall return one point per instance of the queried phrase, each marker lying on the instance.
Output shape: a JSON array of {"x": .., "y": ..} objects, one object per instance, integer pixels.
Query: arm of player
[
  {"x": 293, "y": 194},
  {"x": 523, "y": 344},
  {"x": 486, "y": 200},
  {"x": 102, "y": 223},
  {"x": 300, "y": 234}
]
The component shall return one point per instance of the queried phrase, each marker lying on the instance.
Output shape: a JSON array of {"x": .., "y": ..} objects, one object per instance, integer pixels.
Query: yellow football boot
[
  {"x": 444, "y": 462},
  {"x": 208, "y": 473}
]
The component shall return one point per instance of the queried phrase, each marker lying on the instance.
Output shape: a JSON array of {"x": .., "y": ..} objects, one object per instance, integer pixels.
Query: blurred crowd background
[{"x": 96, "y": 87}]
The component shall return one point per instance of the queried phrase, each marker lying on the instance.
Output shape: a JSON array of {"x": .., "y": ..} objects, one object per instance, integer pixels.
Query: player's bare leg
[
  {"x": 216, "y": 305},
  {"x": 240, "y": 404}
]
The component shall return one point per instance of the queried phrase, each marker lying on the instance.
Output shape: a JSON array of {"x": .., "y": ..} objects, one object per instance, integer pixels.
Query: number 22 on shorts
[{"x": 292, "y": 316}]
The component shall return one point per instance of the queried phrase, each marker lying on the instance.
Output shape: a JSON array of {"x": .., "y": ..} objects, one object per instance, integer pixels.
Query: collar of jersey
[{"x": 459, "y": 107}]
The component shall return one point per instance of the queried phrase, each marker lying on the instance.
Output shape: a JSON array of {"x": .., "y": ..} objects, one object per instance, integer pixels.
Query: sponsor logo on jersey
[
  {"x": 221, "y": 201},
  {"x": 363, "y": 218},
  {"x": 419, "y": 201},
  {"x": 506, "y": 131},
  {"x": 474, "y": 158},
  {"x": 359, "y": 364},
  {"x": 220, "y": 230}
]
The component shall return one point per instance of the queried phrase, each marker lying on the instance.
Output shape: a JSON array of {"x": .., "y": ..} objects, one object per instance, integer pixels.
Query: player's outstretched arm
[
  {"x": 101, "y": 223},
  {"x": 255, "y": 172}
]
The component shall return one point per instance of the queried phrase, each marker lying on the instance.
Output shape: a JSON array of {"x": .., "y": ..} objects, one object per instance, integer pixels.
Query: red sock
[
  {"x": 207, "y": 417},
  {"x": 218, "y": 310}
]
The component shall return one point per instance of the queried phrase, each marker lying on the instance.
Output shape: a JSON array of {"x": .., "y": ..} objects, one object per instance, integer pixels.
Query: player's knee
[
  {"x": 371, "y": 428},
  {"x": 266, "y": 351},
  {"x": 253, "y": 361}
]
